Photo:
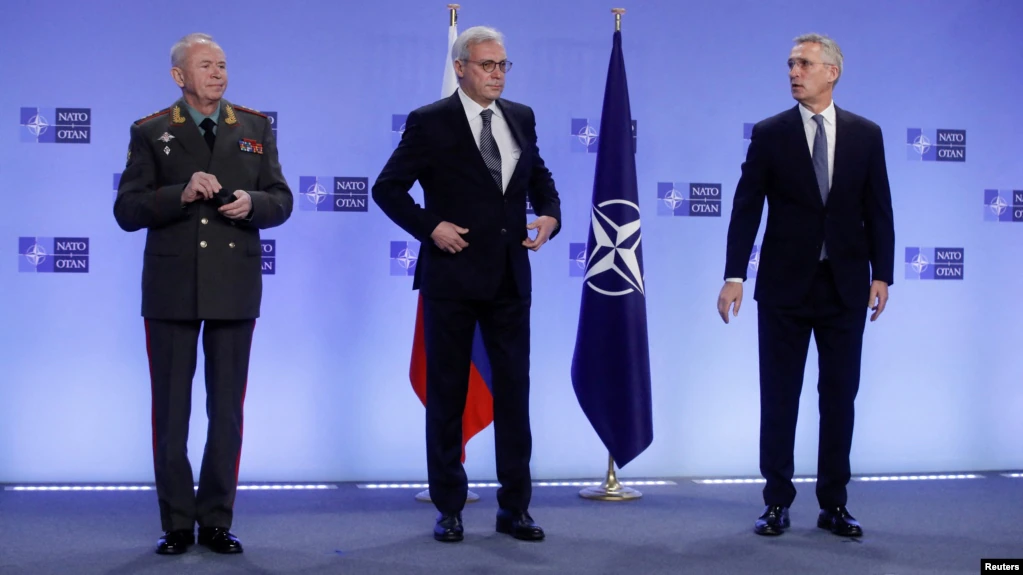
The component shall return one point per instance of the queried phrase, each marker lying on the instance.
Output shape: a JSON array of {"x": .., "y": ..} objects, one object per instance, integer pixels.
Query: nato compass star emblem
[
  {"x": 613, "y": 268},
  {"x": 316, "y": 193},
  {"x": 36, "y": 254},
  {"x": 922, "y": 144},
  {"x": 674, "y": 199},
  {"x": 919, "y": 263},
  {"x": 407, "y": 258},
  {"x": 587, "y": 135},
  {"x": 37, "y": 125},
  {"x": 998, "y": 205}
]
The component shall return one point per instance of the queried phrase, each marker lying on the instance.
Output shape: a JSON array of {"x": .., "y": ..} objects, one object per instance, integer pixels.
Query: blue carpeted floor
[{"x": 911, "y": 528}]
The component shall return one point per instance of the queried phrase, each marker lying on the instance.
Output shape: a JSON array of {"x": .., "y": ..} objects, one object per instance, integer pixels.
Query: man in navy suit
[
  {"x": 829, "y": 247},
  {"x": 475, "y": 156}
]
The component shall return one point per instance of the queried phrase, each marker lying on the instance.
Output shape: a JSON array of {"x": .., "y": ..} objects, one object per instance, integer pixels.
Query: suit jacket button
[
  {"x": 503, "y": 231},
  {"x": 230, "y": 245},
  {"x": 202, "y": 244},
  {"x": 204, "y": 221}
]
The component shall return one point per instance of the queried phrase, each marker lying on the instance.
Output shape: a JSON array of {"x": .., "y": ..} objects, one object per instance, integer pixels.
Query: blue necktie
[
  {"x": 820, "y": 165},
  {"x": 488, "y": 148}
]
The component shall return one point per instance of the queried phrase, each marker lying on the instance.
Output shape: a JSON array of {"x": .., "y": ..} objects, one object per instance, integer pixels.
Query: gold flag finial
[
  {"x": 453, "y": 8},
  {"x": 618, "y": 18}
]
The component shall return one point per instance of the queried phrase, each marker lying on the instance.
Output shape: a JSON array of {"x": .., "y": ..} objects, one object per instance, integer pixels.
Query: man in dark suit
[
  {"x": 829, "y": 247},
  {"x": 476, "y": 158},
  {"x": 203, "y": 178}
]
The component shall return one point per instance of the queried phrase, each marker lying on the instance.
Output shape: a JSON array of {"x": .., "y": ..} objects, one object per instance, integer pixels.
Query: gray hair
[
  {"x": 472, "y": 36},
  {"x": 181, "y": 47},
  {"x": 830, "y": 51}
]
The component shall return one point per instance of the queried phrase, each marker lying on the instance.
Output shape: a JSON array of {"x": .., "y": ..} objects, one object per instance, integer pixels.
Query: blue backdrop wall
[{"x": 329, "y": 397}]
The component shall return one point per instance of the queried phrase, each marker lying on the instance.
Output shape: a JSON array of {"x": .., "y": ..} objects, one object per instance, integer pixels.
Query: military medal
[{"x": 250, "y": 146}]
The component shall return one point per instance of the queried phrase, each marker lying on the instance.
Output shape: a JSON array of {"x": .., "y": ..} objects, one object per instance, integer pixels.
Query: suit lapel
[
  {"x": 227, "y": 128},
  {"x": 516, "y": 132},
  {"x": 470, "y": 148},
  {"x": 187, "y": 135},
  {"x": 841, "y": 150},
  {"x": 804, "y": 161}
]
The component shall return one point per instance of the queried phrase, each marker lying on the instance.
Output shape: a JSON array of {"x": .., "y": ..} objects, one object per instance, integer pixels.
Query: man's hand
[
  {"x": 731, "y": 293},
  {"x": 201, "y": 185},
  {"x": 239, "y": 208},
  {"x": 546, "y": 225},
  {"x": 878, "y": 298},
  {"x": 448, "y": 237}
]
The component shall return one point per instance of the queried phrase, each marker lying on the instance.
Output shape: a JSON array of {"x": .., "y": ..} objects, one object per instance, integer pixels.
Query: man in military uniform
[{"x": 203, "y": 178}]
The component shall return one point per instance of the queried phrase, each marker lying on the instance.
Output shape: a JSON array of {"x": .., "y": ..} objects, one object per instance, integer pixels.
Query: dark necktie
[
  {"x": 820, "y": 164},
  {"x": 488, "y": 148},
  {"x": 208, "y": 125}
]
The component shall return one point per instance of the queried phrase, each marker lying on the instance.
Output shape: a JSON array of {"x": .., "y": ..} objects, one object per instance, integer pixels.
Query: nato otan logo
[
  {"x": 272, "y": 116},
  {"x": 403, "y": 258},
  {"x": 586, "y": 135},
  {"x": 397, "y": 128},
  {"x": 269, "y": 264},
  {"x": 330, "y": 194},
  {"x": 56, "y": 125},
  {"x": 928, "y": 145},
  {"x": 934, "y": 263},
  {"x": 754, "y": 263},
  {"x": 614, "y": 267},
  {"x": 694, "y": 199},
  {"x": 576, "y": 260},
  {"x": 1003, "y": 205},
  {"x": 53, "y": 255}
]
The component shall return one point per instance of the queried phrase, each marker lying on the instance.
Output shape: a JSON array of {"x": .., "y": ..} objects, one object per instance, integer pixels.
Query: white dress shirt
[
  {"x": 829, "y": 130},
  {"x": 510, "y": 151},
  {"x": 810, "y": 127}
]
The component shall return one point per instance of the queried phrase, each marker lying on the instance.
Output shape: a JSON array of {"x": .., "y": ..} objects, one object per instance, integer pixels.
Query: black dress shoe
[
  {"x": 838, "y": 521},
  {"x": 448, "y": 528},
  {"x": 774, "y": 521},
  {"x": 175, "y": 542},
  {"x": 519, "y": 525},
  {"x": 219, "y": 540}
]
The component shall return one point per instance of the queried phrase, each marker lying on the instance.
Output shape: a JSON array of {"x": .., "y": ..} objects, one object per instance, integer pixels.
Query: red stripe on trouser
[
  {"x": 152, "y": 389},
  {"x": 241, "y": 414}
]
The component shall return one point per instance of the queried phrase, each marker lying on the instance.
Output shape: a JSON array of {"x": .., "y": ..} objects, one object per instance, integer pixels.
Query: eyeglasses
[
  {"x": 489, "y": 65},
  {"x": 804, "y": 63}
]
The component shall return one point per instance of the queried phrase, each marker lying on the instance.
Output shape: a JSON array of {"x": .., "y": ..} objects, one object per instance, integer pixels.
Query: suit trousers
[
  {"x": 784, "y": 338},
  {"x": 171, "y": 346},
  {"x": 449, "y": 326}
]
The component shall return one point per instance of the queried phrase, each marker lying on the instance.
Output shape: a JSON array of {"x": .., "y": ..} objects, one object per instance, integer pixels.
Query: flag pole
[
  {"x": 424, "y": 495},
  {"x": 611, "y": 489}
]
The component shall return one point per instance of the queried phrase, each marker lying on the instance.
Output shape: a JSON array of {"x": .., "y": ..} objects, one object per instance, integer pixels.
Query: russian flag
[{"x": 479, "y": 404}]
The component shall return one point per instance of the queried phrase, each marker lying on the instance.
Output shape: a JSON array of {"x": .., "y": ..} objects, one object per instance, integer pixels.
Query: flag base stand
[
  {"x": 611, "y": 489},
  {"x": 424, "y": 497}
]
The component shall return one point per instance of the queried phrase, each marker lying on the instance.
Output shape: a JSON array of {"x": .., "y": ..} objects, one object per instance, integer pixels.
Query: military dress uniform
[{"x": 201, "y": 271}]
